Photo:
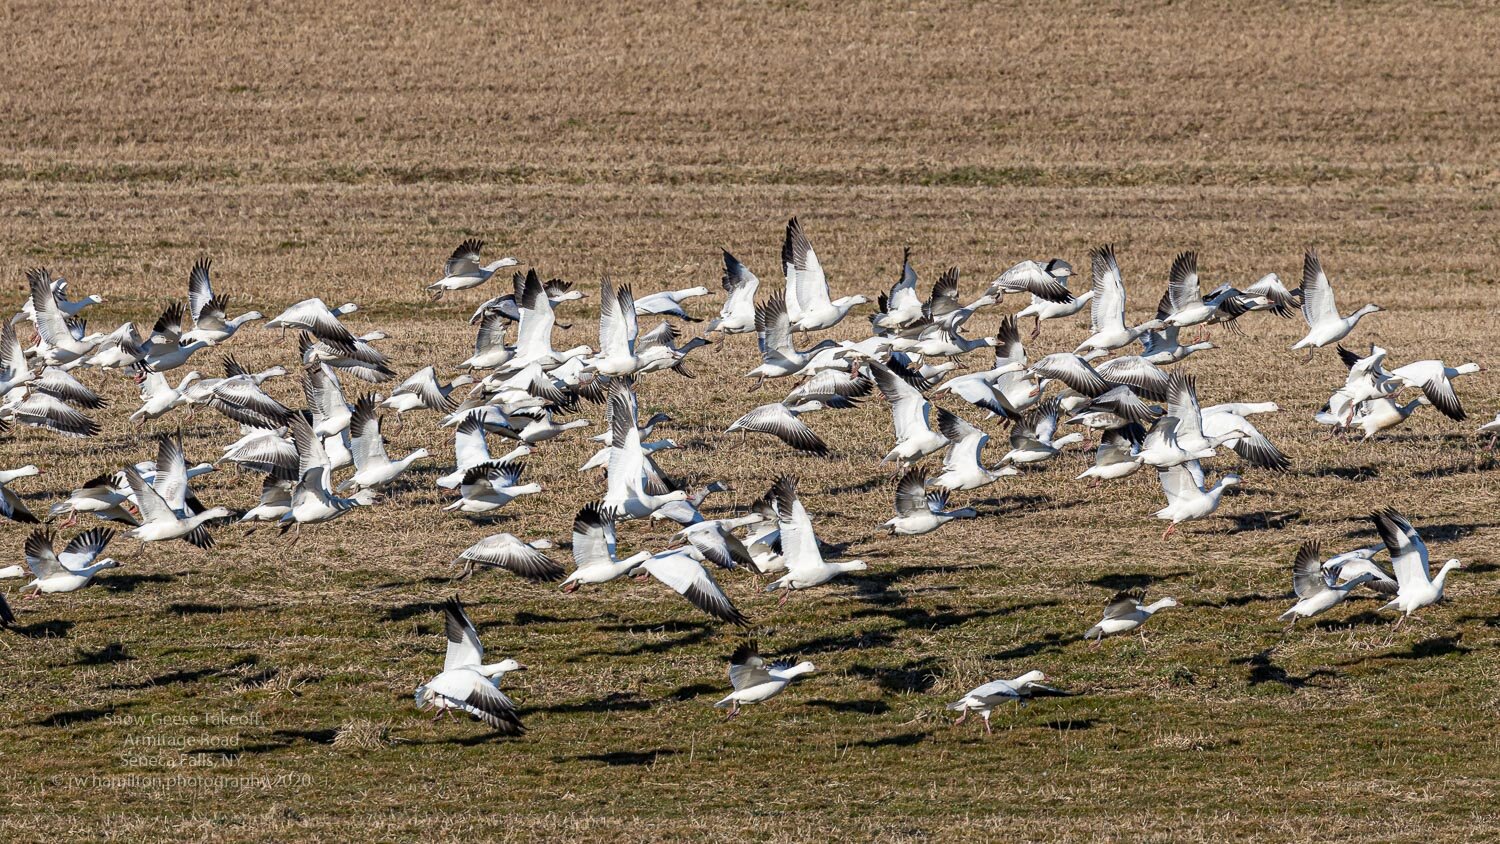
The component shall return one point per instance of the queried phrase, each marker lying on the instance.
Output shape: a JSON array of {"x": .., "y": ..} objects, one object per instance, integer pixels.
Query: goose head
[
  {"x": 1030, "y": 677},
  {"x": 345, "y": 309},
  {"x": 94, "y": 299},
  {"x": 23, "y": 472},
  {"x": 1228, "y": 481}
]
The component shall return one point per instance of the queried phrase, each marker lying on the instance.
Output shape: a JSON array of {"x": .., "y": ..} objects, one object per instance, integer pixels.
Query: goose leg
[
  {"x": 987, "y": 729},
  {"x": 1171, "y": 529},
  {"x": 962, "y": 718},
  {"x": 784, "y": 595},
  {"x": 1036, "y": 330}
]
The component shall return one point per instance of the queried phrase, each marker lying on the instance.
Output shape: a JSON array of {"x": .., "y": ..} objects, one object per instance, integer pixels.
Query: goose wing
[
  {"x": 508, "y": 552},
  {"x": 966, "y": 441},
  {"x": 83, "y": 549},
  {"x": 1318, "y": 306},
  {"x": 1182, "y": 283},
  {"x": 1308, "y": 577},
  {"x": 424, "y": 385},
  {"x": 534, "y": 336},
  {"x": 798, "y": 542},
  {"x": 171, "y": 472},
  {"x": 464, "y": 647},
  {"x": 1124, "y": 603},
  {"x": 1408, "y": 551},
  {"x": 688, "y": 578},
  {"x": 41, "y": 410},
  {"x": 1078, "y": 374},
  {"x": 465, "y": 259},
  {"x": 593, "y": 537},
  {"x": 1107, "y": 311},
  {"x": 779, "y": 421},
  {"x": 152, "y": 506},
  {"x": 746, "y": 667},
  {"x": 41, "y": 558},
  {"x": 364, "y": 435},
  {"x": 774, "y": 328},
  {"x": 911, "y": 493},
  {"x": 909, "y": 408},
  {"x": 810, "y": 285}
]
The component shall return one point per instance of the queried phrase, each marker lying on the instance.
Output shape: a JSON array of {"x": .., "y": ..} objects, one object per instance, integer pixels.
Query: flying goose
[
  {"x": 1045, "y": 282},
  {"x": 1367, "y": 378},
  {"x": 1352, "y": 564},
  {"x": 1318, "y": 588},
  {"x": 233, "y": 369},
  {"x": 210, "y": 324},
  {"x": 556, "y": 290},
  {"x": 901, "y": 307},
  {"x": 738, "y": 314},
  {"x": 422, "y": 390},
  {"x": 313, "y": 316},
  {"x": 687, "y": 577},
  {"x": 1435, "y": 379},
  {"x": 275, "y": 501},
  {"x": 714, "y": 541},
  {"x": 540, "y": 426},
  {"x": 490, "y": 486},
  {"x": 1042, "y": 309},
  {"x": 69, "y": 307},
  {"x": 462, "y": 270},
  {"x": 627, "y": 496},
  {"x": 490, "y": 351},
  {"x": 168, "y": 349},
  {"x": 1492, "y": 428},
  {"x": 505, "y": 551},
  {"x": 466, "y": 683},
  {"x": 779, "y": 358},
  {"x": 919, "y": 511},
  {"x": 668, "y": 303},
  {"x": 594, "y": 559},
  {"x": 373, "y": 468},
  {"x": 71, "y": 569},
  {"x": 470, "y": 450},
  {"x": 1182, "y": 404},
  {"x": 963, "y": 467},
  {"x": 805, "y": 566},
  {"x": 100, "y": 496},
  {"x": 44, "y": 410},
  {"x": 359, "y": 358},
  {"x": 1227, "y": 422},
  {"x": 985, "y": 698},
  {"x": 1319, "y": 309},
  {"x": 910, "y": 414},
  {"x": 782, "y": 420},
  {"x": 756, "y": 681},
  {"x": 1032, "y": 438},
  {"x": 1107, "y": 314},
  {"x": 808, "y": 301},
  {"x": 1184, "y": 304},
  {"x": 1383, "y": 414},
  {"x": 1126, "y": 611},
  {"x": 1118, "y": 456},
  {"x": 1187, "y": 498},
  {"x": 1416, "y": 587},
  {"x": 11, "y": 505},
  {"x": 314, "y": 501},
  {"x": 618, "y": 329},
  {"x": 157, "y": 396},
  {"x": 61, "y": 339},
  {"x": 534, "y": 333},
  {"x": 163, "y": 503}
]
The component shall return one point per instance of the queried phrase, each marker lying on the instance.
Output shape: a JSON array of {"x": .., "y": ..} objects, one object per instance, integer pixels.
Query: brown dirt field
[{"x": 341, "y": 151}]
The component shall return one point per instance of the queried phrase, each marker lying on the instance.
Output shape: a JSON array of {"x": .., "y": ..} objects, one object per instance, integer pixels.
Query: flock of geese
[{"x": 1118, "y": 391}]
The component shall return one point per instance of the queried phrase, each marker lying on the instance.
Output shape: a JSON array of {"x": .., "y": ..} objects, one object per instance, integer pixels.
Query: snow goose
[
  {"x": 265, "y": 450},
  {"x": 1367, "y": 378},
  {"x": 467, "y": 684},
  {"x": 985, "y": 698},
  {"x": 168, "y": 349},
  {"x": 687, "y": 577},
  {"x": 779, "y": 358},
  {"x": 100, "y": 496},
  {"x": 1115, "y": 408},
  {"x": 1492, "y": 428},
  {"x": 470, "y": 450},
  {"x": 61, "y": 339},
  {"x": 668, "y": 303},
  {"x": 1187, "y": 498},
  {"x": 627, "y": 496},
  {"x": 910, "y": 415},
  {"x": 556, "y": 290},
  {"x": 359, "y": 358},
  {"x": 963, "y": 466},
  {"x": 158, "y": 397},
  {"x": 1435, "y": 379},
  {"x": 1352, "y": 564},
  {"x": 1046, "y": 283},
  {"x": 1317, "y": 587},
  {"x": 534, "y": 334},
  {"x": 782, "y": 419},
  {"x": 15, "y": 370},
  {"x": 373, "y": 468},
  {"x": 738, "y": 314},
  {"x": 805, "y": 566},
  {"x": 1107, "y": 313},
  {"x": 314, "y": 502},
  {"x": 462, "y": 270},
  {"x": 163, "y": 504},
  {"x": 490, "y": 486},
  {"x": 1227, "y": 423},
  {"x": 658, "y": 350},
  {"x": 714, "y": 541},
  {"x": 1416, "y": 587},
  {"x": 618, "y": 329},
  {"x": 1126, "y": 611},
  {"x": 490, "y": 351},
  {"x": 242, "y": 400},
  {"x": 505, "y": 551},
  {"x": 684, "y": 512},
  {"x": 68, "y": 306},
  {"x": 594, "y": 559},
  {"x": 43, "y": 410},
  {"x": 210, "y": 324},
  {"x": 807, "y": 296},
  {"x": 1182, "y": 404},
  {"x": 422, "y": 390},
  {"x": 71, "y": 569},
  {"x": 1184, "y": 304},
  {"x": 943, "y": 309},
  {"x": 1383, "y": 414},
  {"x": 1118, "y": 456},
  {"x": 1042, "y": 309},
  {"x": 1143, "y": 377},
  {"x": 11, "y": 505},
  {"x": 325, "y": 398},
  {"x": 275, "y": 501},
  {"x": 1162, "y": 347},
  {"x": 1319, "y": 309},
  {"x": 756, "y": 681},
  {"x": 919, "y": 511},
  {"x": 1032, "y": 438},
  {"x": 233, "y": 369},
  {"x": 901, "y": 307},
  {"x": 312, "y": 315},
  {"x": 539, "y": 427}
]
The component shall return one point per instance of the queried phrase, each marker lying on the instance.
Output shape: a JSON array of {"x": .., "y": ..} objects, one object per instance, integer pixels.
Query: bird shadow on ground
[
  {"x": 278, "y": 740},
  {"x": 189, "y": 608},
  {"x": 612, "y": 702},
  {"x": 1428, "y": 648},
  {"x": 925, "y": 619},
  {"x": 1009, "y": 504},
  {"x": 414, "y": 609},
  {"x": 1348, "y": 473},
  {"x": 1263, "y": 520},
  {"x": 68, "y": 718},
  {"x": 898, "y": 740},
  {"x": 1264, "y": 670},
  {"x": 171, "y": 678},
  {"x": 1466, "y": 468},
  {"x": 1068, "y": 725},
  {"x": 1367, "y": 618},
  {"x": 129, "y": 582},
  {"x": 692, "y": 636},
  {"x": 1450, "y": 532},
  {"x": 1120, "y": 582},
  {"x": 1242, "y": 600},
  {"x": 55, "y": 629},
  {"x": 624, "y": 758},
  {"x": 1050, "y": 642},
  {"x": 433, "y": 580},
  {"x": 835, "y": 642},
  {"x": 464, "y": 741},
  {"x": 108, "y": 655},
  {"x": 918, "y": 675},
  {"x": 1486, "y": 620},
  {"x": 693, "y": 691},
  {"x": 872, "y": 706}
]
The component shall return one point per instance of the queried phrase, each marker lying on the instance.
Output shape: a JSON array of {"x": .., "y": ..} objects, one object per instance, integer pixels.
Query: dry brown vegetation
[{"x": 342, "y": 150}]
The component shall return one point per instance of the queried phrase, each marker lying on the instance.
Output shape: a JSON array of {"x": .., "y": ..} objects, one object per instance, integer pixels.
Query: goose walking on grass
[
  {"x": 11, "y": 505},
  {"x": 594, "y": 544},
  {"x": 70, "y": 569},
  {"x": 211, "y": 325},
  {"x": 738, "y": 314},
  {"x": 163, "y": 503},
  {"x": 1317, "y": 586},
  {"x": 1416, "y": 586},
  {"x": 1019, "y": 691},
  {"x": 515, "y": 555},
  {"x": 808, "y": 302},
  {"x": 919, "y": 511},
  {"x": 1126, "y": 611},
  {"x": 757, "y": 681},
  {"x": 463, "y": 270},
  {"x": 1324, "y": 324},
  {"x": 1107, "y": 314},
  {"x": 805, "y": 566},
  {"x": 466, "y": 683},
  {"x": 1187, "y": 497},
  {"x": 963, "y": 466}
]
